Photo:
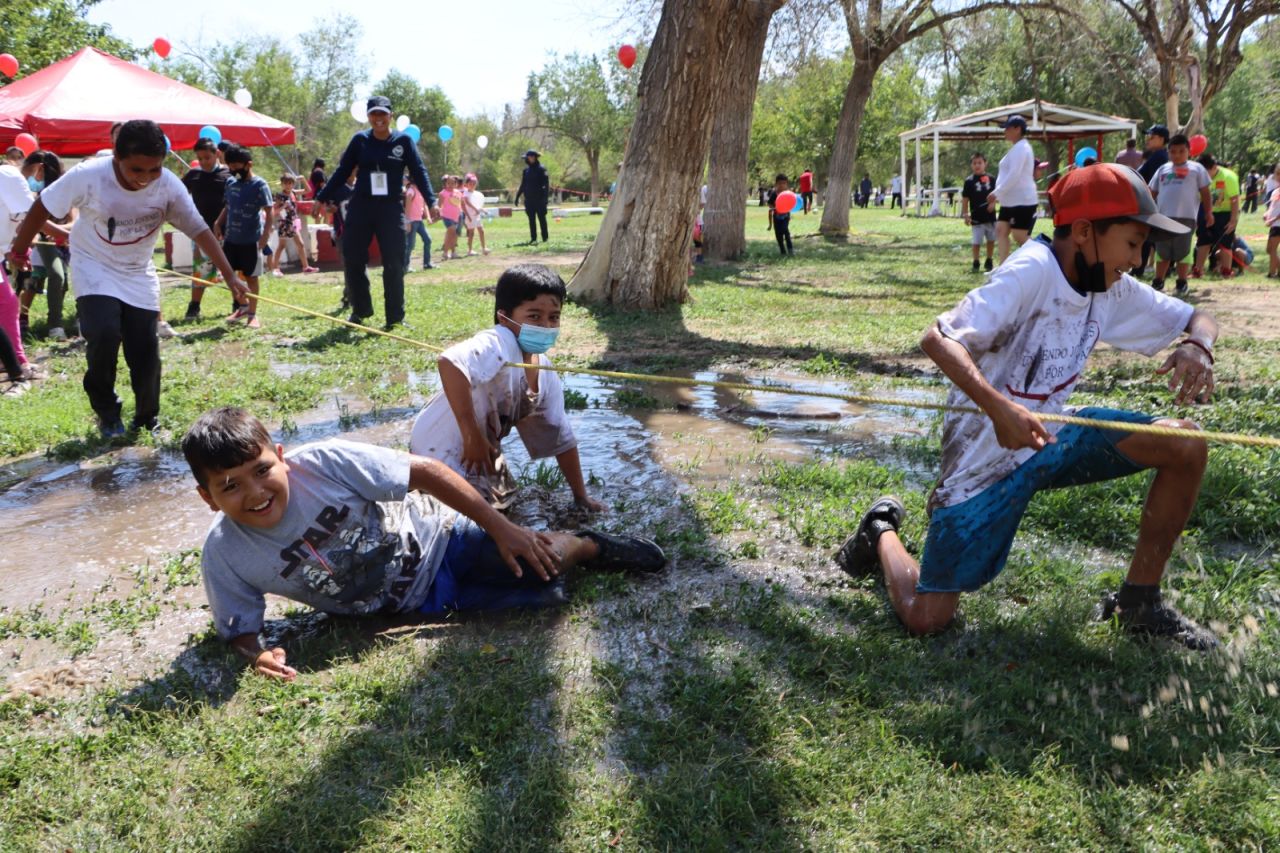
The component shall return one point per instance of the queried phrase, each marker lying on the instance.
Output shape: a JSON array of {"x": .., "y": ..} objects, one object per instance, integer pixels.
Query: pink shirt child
[
  {"x": 417, "y": 206},
  {"x": 449, "y": 208}
]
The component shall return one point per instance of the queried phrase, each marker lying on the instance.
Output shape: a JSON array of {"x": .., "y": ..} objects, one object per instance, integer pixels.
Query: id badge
[{"x": 378, "y": 183}]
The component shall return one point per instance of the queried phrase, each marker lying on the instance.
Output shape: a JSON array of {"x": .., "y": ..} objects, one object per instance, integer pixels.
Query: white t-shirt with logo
[
  {"x": 1178, "y": 188},
  {"x": 114, "y": 239},
  {"x": 1016, "y": 177},
  {"x": 1030, "y": 334}
]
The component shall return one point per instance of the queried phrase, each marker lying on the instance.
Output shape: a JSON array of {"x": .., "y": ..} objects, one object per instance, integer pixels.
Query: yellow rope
[{"x": 863, "y": 399}]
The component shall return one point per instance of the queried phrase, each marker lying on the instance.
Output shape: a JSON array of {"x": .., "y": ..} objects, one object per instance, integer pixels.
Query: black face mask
[{"x": 1090, "y": 277}]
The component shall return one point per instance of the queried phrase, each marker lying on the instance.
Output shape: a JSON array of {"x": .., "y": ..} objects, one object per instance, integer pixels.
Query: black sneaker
[
  {"x": 193, "y": 311},
  {"x": 987, "y": 265},
  {"x": 858, "y": 556},
  {"x": 358, "y": 319},
  {"x": 397, "y": 326},
  {"x": 111, "y": 429},
  {"x": 624, "y": 553},
  {"x": 1158, "y": 619},
  {"x": 1157, "y": 284},
  {"x": 976, "y": 266},
  {"x": 1181, "y": 288}
]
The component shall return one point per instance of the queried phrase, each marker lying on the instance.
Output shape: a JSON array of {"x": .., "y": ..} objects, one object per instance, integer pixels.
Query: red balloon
[
  {"x": 8, "y": 65},
  {"x": 786, "y": 202},
  {"x": 162, "y": 47},
  {"x": 1199, "y": 143},
  {"x": 627, "y": 55},
  {"x": 26, "y": 142},
  {"x": 195, "y": 164}
]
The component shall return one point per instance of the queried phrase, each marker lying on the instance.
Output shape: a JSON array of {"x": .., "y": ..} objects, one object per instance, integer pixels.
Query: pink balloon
[
  {"x": 162, "y": 47},
  {"x": 8, "y": 65},
  {"x": 785, "y": 202},
  {"x": 26, "y": 142}
]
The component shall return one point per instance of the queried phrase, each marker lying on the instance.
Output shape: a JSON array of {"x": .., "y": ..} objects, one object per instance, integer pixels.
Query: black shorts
[
  {"x": 245, "y": 258},
  {"x": 1217, "y": 235},
  {"x": 1020, "y": 217},
  {"x": 1274, "y": 232}
]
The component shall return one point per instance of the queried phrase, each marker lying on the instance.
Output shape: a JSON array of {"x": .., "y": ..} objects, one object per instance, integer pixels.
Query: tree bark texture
[
  {"x": 724, "y": 223},
  {"x": 640, "y": 257},
  {"x": 844, "y": 151}
]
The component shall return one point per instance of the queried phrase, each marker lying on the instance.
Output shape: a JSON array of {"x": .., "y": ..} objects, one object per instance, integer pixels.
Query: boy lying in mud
[
  {"x": 1016, "y": 347},
  {"x": 344, "y": 528}
]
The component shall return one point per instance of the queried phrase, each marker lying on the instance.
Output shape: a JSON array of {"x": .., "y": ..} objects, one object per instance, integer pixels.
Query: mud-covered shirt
[
  {"x": 352, "y": 541},
  {"x": 1030, "y": 334}
]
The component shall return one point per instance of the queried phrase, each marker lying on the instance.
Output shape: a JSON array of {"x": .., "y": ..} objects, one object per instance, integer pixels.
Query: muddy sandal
[
  {"x": 624, "y": 553},
  {"x": 858, "y": 556}
]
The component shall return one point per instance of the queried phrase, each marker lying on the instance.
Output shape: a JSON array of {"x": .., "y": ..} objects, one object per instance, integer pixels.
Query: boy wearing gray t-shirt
[
  {"x": 1181, "y": 190},
  {"x": 344, "y": 528}
]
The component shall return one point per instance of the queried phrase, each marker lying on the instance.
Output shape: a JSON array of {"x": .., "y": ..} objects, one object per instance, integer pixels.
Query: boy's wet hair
[
  {"x": 1179, "y": 139},
  {"x": 204, "y": 143},
  {"x": 140, "y": 136},
  {"x": 238, "y": 154},
  {"x": 780, "y": 177},
  {"x": 1102, "y": 226},
  {"x": 523, "y": 283},
  {"x": 222, "y": 439}
]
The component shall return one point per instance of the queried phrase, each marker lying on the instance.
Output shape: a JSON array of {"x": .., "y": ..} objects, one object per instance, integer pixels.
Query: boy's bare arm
[
  {"x": 1015, "y": 426},
  {"x": 1191, "y": 363},
  {"x": 477, "y": 453},
  {"x": 212, "y": 250},
  {"x": 219, "y": 224},
  {"x": 442, "y": 483},
  {"x": 1206, "y": 203},
  {"x": 35, "y": 219},
  {"x": 268, "y": 662},
  {"x": 266, "y": 227},
  {"x": 571, "y": 466}
]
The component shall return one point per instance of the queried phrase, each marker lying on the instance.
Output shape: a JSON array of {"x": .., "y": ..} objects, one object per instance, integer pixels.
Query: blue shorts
[
  {"x": 968, "y": 543},
  {"x": 473, "y": 576}
]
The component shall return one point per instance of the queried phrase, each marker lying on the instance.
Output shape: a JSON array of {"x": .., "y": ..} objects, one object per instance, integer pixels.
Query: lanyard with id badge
[{"x": 377, "y": 182}]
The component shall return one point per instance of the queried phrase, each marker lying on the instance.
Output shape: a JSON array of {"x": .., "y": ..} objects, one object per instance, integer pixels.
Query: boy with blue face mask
[{"x": 482, "y": 398}]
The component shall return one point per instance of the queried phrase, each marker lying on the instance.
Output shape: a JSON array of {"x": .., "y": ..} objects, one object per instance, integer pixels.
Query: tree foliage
[{"x": 42, "y": 32}]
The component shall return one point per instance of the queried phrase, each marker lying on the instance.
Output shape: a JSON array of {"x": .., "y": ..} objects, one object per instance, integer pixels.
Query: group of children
[{"x": 461, "y": 206}]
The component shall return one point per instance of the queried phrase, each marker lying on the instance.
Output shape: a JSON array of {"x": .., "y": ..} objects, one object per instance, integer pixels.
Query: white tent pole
[
  {"x": 917, "y": 176},
  {"x": 937, "y": 206},
  {"x": 902, "y": 174}
]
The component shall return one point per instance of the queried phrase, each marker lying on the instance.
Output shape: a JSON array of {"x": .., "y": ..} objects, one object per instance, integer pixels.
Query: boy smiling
[{"x": 1016, "y": 348}]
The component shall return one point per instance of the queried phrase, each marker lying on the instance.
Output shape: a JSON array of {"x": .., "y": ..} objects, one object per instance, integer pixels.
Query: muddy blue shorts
[
  {"x": 473, "y": 576},
  {"x": 968, "y": 543}
]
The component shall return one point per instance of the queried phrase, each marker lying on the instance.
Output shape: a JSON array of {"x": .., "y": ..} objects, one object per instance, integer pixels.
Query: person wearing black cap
[
  {"x": 382, "y": 154},
  {"x": 1015, "y": 188},
  {"x": 535, "y": 186},
  {"x": 1157, "y": 154},
  {"x": 1016, "y": 347}
]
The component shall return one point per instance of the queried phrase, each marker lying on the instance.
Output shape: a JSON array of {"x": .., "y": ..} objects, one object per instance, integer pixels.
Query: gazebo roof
[{"x": 1044, "y": 121}]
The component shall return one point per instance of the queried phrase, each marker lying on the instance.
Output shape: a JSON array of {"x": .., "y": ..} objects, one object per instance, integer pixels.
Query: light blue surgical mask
[
  {"x": 35, "y": 185},
  {"x": 535, "y": 339}
]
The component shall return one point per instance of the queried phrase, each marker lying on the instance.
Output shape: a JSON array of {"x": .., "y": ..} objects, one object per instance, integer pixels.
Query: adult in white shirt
[
  {"x": 15, "y": 200},
  {"x": 895, "y": 190},
  {"x": 1015, "y": 188}
]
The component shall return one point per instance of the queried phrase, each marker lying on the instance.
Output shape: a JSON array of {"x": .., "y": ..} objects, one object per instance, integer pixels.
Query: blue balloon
[
  {"x": 211, "y": 132},
  {"x": 1085, "y": 154},
  {"x": 413, "y": 132},
  {"x": 167, "y": 146},
  {"x": 446, "y": 133}
]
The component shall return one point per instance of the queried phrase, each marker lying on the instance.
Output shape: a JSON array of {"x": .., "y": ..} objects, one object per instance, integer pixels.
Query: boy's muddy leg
[
  {"x": 1180, "y": 465},
  {"x": 920, "y": 612}
]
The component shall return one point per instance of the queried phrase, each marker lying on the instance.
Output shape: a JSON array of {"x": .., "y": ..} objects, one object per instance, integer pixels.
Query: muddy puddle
[{"x": 73, "y": 529}]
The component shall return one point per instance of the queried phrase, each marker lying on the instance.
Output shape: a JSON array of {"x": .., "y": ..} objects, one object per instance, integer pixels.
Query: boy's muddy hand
[
  {"x": 517, "y": 543},
  {"x": 478, "y": 454},
  {"x": 271, "y": 664},
  {"x": 1016, "y": 428},
  {"x": 590, "y": 504},
  {"x": 1192, "y": 377}
]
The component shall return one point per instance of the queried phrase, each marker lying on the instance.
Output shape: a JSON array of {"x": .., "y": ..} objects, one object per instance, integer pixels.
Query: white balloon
[
  {"x": 243, "y": 98},
  {"x": 482, "y": 141},
  {"x": 402, "y": 122},
  {"x": 358, "y": 112}
]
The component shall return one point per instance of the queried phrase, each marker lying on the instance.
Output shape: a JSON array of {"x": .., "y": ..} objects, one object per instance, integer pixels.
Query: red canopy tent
[{"x": 71, "y": 105}]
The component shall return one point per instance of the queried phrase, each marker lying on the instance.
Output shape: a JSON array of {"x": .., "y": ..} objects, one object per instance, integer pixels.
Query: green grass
[{"x": 755, "y": 698}]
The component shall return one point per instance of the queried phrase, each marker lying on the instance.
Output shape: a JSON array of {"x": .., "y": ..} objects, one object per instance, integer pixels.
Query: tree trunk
[
  {"x": 640, "y": 257},
  {"x": 724, "y": 226},
  {"x": 593, "y": 163},
  {"x": 844, "y": 152}
]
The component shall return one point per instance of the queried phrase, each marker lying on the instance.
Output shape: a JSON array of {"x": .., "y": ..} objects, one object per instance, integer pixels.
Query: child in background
[
  {"x": 287, "y": 226},
  {"x": 242, "y": 228},
  {"x": 780, "y": 222},
  {"x": 344, "y": 528},
  {"x": 450, "y": 213},
  {"x": 1271, "y": 218},
  {"x": 473, "y": 213},
  {"x": 416, "y": 213},
  {"x": 208, "y": 188},
  {"x": 15, "y": 201},
  {"x": 1181, "y": 188},
  {"x": 123, "y": 202},
  {"x": 49, "y": 276},
  {"x": 482, "y": 400},
  {"x": 977, "y": 213}
]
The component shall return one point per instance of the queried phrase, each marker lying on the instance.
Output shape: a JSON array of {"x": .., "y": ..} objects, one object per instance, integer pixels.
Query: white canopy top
[{"x": 1044, "y": 120}]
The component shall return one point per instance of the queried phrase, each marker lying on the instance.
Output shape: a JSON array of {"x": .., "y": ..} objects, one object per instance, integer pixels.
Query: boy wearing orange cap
[{"x": 1015, "y": 348}]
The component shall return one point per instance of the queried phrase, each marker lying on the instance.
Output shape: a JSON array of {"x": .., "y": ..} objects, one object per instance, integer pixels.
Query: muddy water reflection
[{"x": 78, "y": 525}]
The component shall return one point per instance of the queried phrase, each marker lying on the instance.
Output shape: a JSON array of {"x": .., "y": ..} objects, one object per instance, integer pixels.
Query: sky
[{"x": 486, "y": 67}]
